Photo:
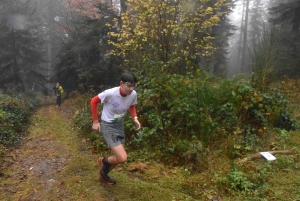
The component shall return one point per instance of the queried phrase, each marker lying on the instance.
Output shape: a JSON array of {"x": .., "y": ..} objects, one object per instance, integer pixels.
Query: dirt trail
[
  {"x": 53, "y": 163},
  {"x": 32, "y": 171}
]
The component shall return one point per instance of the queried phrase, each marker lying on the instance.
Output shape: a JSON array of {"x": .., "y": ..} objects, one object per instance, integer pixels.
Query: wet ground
[{"x": 32, "y": 168}]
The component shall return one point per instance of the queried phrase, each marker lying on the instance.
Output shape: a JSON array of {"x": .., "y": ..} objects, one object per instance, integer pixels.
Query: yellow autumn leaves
[{"x": 165, "y": 28}]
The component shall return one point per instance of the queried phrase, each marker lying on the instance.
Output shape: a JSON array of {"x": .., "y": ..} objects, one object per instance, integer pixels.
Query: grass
[
  {"x": 73, "y": 174},
  {"x": 52, "y": 140}
]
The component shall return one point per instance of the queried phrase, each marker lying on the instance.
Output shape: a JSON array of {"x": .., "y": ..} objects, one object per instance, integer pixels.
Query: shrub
[
  {"x": 176, "y": 108},
  {"x": 80, "y": 103},
  {"x": 15, "y": 110},
  {"x": 235, "y": 180},
  {"x": 180, "y": 115}
]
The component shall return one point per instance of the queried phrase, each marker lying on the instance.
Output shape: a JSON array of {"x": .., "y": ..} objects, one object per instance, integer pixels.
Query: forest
[
  {"x": 76, "y": 42},
  {"x": 218, "y": 82}
]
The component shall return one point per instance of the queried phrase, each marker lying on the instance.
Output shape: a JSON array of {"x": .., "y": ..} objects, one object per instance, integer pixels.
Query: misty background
[{"x": 47, "y": 41}]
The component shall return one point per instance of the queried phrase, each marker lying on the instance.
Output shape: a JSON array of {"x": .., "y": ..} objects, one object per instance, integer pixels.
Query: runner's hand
[
  {"x": 96, "y": 126},
  {"x": 137, "y": 124}
]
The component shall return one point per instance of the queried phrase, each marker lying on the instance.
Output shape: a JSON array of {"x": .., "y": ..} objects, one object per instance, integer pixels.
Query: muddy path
[
  {"x": 54, "y": 163},
  {"x": 33, "y": 170}
]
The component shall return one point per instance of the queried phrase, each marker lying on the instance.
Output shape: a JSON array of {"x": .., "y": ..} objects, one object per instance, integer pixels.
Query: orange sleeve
[
  {"x": 94, "y": 107},
  {"x": 132, "y": 110}
]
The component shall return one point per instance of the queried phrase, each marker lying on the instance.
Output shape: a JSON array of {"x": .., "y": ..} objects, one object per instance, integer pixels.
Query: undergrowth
[
  {"x": 203, "y": 125},
  {"x": 15, "y": 110}
]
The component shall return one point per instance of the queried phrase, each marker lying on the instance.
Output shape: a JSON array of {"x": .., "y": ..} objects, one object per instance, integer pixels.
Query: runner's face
[{"x": 127, "y": 87}]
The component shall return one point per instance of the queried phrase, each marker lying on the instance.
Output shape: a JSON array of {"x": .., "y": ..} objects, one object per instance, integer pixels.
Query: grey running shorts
[{"x": 113, "y": 133}]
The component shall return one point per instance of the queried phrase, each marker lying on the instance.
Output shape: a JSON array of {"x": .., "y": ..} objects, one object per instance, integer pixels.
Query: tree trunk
[
  {"x": 14, "y": 66},
  {"x": 238, "y": 58},
  {"x": 244, "y": 66},
  {"x": 123, "y": 6}
]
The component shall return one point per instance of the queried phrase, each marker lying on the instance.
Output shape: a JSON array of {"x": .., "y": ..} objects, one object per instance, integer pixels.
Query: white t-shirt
[{"x": 115, "y": 106}]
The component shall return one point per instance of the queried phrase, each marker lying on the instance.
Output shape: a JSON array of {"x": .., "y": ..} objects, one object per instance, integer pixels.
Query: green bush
[
  {"x": 80, "y": 103},
  {"x": 235, "y": 180},
  {"x": 15, "y": 110},
  {"x": 176, "y": 108},
  {"x": 182, "y": 115}
]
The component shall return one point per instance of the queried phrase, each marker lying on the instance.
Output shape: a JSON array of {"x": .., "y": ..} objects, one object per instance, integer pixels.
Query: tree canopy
[{"x": 166, "y": 34}]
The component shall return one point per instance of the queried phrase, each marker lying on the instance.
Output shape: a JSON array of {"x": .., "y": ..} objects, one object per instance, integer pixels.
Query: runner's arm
[
  {"x": 94, "y": 108},
  {"x": 132, "y": 110}
]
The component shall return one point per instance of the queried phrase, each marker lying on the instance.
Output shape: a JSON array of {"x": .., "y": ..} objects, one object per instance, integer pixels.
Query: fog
[{"x": 41, "y": 42}]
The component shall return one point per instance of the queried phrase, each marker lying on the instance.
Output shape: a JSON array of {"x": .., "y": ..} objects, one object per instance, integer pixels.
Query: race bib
[{"x": 118, "y": 117}]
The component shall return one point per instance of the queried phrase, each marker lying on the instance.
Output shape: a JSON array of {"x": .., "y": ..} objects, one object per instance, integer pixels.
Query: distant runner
[
  {"x": 45, "y": 94},
  {"x": 58, "y": 90}
]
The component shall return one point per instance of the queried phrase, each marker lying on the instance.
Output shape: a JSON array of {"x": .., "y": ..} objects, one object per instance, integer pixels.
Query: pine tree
[
  {"x": 221, "y": 32},
  {"x": 256, "y": 22},
  {"x": 84, "y": 54},
  {"x": 287, "y": 17},
  {"x": 20, "y": 42}
]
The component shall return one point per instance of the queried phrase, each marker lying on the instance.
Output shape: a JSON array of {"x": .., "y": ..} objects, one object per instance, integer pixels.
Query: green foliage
[
  {"x": 166, "y": 34},
  {"x": 83, "y": 121},
  {"x": 196, "y": 121},
  {"x": 182, "y": 115},
  {"x": 239, "y": 181},
  {"x": 175, "y": 109},
  {"x": 80, "y": 102},
  {"x": 236, "y": 180},
  {"x": 248, "y": 184},
  {"x": 15, "y": 110},
  {"x": 174, "y": 104}
]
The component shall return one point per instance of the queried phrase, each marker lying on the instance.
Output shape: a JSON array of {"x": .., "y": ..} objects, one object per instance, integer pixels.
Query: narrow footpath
[{"x": 52, "y": 163}]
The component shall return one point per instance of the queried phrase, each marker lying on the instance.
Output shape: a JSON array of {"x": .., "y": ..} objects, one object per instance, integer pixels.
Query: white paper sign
[{"x": 268, "y": 156}]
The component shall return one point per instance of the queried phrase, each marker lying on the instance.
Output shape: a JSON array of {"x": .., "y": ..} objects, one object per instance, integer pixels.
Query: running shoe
[
  {"x": 103, "y": 173},
  {"x": 106, "y": 179},
  {"x": 100, "y": 164}
]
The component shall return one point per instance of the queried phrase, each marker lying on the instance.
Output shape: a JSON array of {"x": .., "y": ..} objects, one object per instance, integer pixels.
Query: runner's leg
[{"x": 119, "y": 157}]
